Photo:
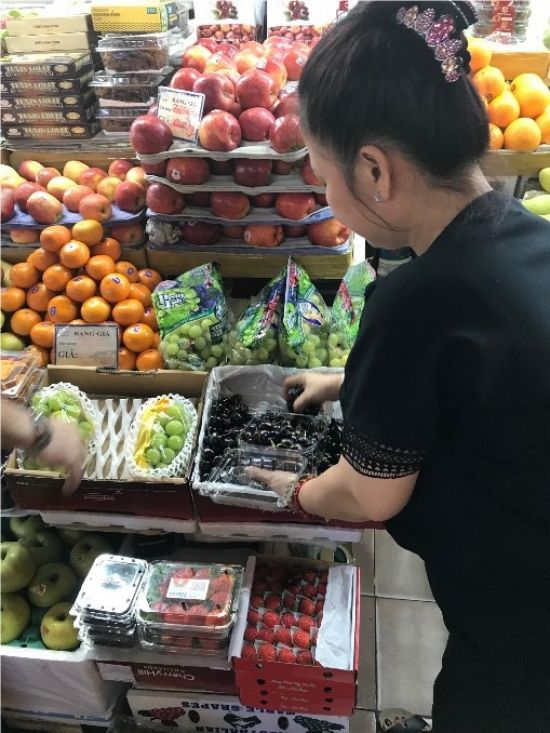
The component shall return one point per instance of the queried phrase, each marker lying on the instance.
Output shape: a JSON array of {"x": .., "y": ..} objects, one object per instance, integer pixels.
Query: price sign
[
  {"x": 182, "y": 112},
  {"x": 89, "y": 345}
]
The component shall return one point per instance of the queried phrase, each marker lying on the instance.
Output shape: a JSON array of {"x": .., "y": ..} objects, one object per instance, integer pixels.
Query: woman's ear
[{"x": 374, "y": 172}]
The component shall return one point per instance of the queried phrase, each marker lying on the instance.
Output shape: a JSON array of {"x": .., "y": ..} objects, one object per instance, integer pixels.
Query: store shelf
[
  {"x": 262, "y": 531},
  {"x": 122, "y": 523},
  {"x": 511, "y": 163}
]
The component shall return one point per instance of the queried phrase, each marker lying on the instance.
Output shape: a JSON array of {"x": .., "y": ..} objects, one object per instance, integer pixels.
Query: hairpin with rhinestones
[{"x": 437, "y": 34}]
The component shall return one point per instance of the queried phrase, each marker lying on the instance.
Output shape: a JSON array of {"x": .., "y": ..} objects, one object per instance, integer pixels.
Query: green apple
[
  {"x": 10, "y": 342},
  {"x": 538, "y": 204},
  {"x": 70, "y": 536},
  {"x": 85, "y": 552},
  {"x": 45, "y": 547},
  {"x": 58, "y": 630},
  {"x": 15, "y": 616},
  {"x": 26, "y": 526},
  {"x": 2, "y": 319},
  {"x": 17, "y": 566},
  {"x": 6, "y": 273},
  {"x": 544, "y": 179},
  {"x": 51, "y": 583}
]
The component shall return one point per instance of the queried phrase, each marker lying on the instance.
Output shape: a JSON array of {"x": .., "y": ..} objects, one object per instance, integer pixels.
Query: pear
[
  {"x": 538, "y": 204},
  {"x": 544, "y": 179}
]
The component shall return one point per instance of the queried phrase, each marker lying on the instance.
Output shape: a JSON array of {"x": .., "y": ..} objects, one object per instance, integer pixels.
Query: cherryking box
[
  {"x": 226, "y": 20},
  {"x": 300, "y": 20}
]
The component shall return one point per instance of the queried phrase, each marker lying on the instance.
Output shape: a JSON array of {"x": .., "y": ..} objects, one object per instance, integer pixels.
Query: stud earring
[{"x": 378, "y": 197}]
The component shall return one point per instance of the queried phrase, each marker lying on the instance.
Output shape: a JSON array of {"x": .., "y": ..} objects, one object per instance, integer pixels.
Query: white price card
[
  {"x": 88, "y": 345},
  {"x": 188, "y": 589},
  {"x": 182, "y": 112}
]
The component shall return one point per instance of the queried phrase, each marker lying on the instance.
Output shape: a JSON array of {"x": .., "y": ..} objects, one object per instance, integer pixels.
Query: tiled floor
[{"x": 402, "y": 634}]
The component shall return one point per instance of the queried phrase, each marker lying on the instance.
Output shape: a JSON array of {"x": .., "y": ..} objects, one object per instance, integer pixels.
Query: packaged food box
[
  {"x": 132, "y": 16},
  {"x": 52, "y": 102},
  {"x": 49, "y": 43},
  {"x": 227, "y": 21},
  {"x": 44, "y": 65},
  {"x": 40, "y": 87},
  {"x": 51, "y": 132},
  {"x": 41, "y": 117},
  {"x": 127, "y": 88},
  {"x": 147, "y": 52},
  {"x": 300, "y": 20},
  {"x": 19, "y": 371},
  {"x": 45, "y": 25}
]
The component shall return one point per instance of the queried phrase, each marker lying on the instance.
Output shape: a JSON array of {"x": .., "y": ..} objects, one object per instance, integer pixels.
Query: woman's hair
[{"x": 373, "y": 80}]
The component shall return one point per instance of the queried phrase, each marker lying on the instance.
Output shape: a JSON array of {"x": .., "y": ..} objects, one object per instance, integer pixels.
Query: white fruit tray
[
  {"x": 246, "y": 150},
  {"x": 291, "y": 183}
]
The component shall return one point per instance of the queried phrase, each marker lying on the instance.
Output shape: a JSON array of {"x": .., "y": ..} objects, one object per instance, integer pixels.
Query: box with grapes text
[{"x": 169, "y": 498}]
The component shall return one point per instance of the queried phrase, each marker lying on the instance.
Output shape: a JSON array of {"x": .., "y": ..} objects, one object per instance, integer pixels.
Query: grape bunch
[
  {"x": 225, "y": 9},
  {"x": 283, "y": 431},
  {"x": 168, "y": 434},
  {"x": 228, "y": 417},
  {"x": 329, "y": 449},
  {"x": 191, "y": 346},
  {"x": 338, "y": 349},
  {"x": 242, "y": 355},
  {"x": 293, "y": 394},
  {"x": 312, "y": 354},
  {"x": 298, "y": 10}
]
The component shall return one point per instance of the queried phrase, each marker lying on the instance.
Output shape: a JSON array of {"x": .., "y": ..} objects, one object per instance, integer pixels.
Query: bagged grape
[
  {"x": 347, "y": 308},
  {"x": 254, "y": 338},
  {"x": 193, "y": 319},
  {"x": 304, "y": 329}
]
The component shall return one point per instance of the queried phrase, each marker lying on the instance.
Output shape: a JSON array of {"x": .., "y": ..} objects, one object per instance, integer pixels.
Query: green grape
[
  {"x": 334, "y": 363},
  {"x": 162, "y": 465},
  {"x": 262, "y": 355},
  {"x": 195, "y": 332},
  {"x": 152, "y": 456},
  {"x": 159, "y": 440},
  {"x": 172, "y": 349},
  {"x": 232, "y": 339},
  {"x": 182, "y": 356},
  {"x": 206, "y": 323},
  {"x": 59, "y": 415},
  {"x": 302, "y": 361},
  {"x": 217, "y": 351},
  {"x": 86, "y": 428},
  {"x": 314, "y": 363},
  {"x": 175, "y": 412},
  {"x": 315, "y": 340},
  {"x": 174, "y": 427},
  {"x": 175, "y": 442},
  {"x": 270, "y": 344},
  {"x": 163, "y": 419},
  {"x": 334, "y": 339},
  {"x": 55, "y": 403},
  {"x": 211, "y": 363},
  {"x": 205, "y": 353},
  {"x": 168, "y": 455},
  {"x": 308, "y": 347},
  {"x": 184, "y": 330},
  {"x": 322, "y": 355},
  {"x": 200, "y": 343}
]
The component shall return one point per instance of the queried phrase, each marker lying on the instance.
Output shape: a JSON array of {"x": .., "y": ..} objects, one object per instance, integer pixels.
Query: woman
[{"x": 446, "y": 397}]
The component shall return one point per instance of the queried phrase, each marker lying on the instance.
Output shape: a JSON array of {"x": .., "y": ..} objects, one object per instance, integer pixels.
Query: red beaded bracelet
[{"x": 295, "y": 505}]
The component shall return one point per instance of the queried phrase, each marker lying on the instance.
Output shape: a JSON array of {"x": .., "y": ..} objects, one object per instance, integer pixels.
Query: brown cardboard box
[
  {"x": 49, "y": 43},
  {"x": 44, "y": 65},
  {"x": 51, "y": 132}
]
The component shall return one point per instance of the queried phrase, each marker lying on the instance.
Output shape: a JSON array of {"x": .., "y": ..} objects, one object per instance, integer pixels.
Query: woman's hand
[
  {"x": 317, "y": 388},
  {"x": 66, "y": 448},
  {"x": 281, "y": 482}
]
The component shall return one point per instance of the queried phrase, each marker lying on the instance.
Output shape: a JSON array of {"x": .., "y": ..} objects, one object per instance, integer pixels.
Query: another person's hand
[
  {"x": 66, "y": 448},
  {"x": 281, "y": 482},
  {"x": 317, "y": 388}
]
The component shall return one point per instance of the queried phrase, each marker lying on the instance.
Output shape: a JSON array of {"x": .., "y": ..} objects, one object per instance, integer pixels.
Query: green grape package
[{"x": 193, "y": 320}]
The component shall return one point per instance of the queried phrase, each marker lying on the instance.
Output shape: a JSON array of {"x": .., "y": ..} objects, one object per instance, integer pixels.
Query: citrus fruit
[
  {"x": 128, "y": 270},
  {"x": 480, "y": 53},
  {"x": 149, "y": 277},
  {"x": 77, "y": 322},
  {"x": 54, "y": 237},
  {"x": 138, "y": 337},
  {"x": 24, "y": 275},
  {"x": 80, "y": 288},
  {"x": 42, "y": 354},
  {"x": 61, "y": 309},
  {"x": 38, "y": 297},
  {"x": 489, "y": 82},
  {"x": 149, "y": 360},
  {"x": 140, "y": 292},
  {"x": 56, "y": 277},
  {"x": 128, "y": 312},
  {"x": 43, "y": 334},
  {"x": 74, "y": 254},
  {"x": 126, "y": 359},
  {"x": 156, "y": 340},
  {"x": 99, "y": 266},
  {"x": 114, "y": 287},
  {"x": 503, "y": 110},
  {"x": 543, "y": 121},
  {"x": 150, "y": 318},
  {"x": 496, "y": 137},
  {"x": 95, "y": 310},
  {"x": 23, "y": 320},
  {"x": 11, "y": 299},
  {"x": 523, "y": 134},
  {"x": 88, "y": 231},
  {"x": 532, "y": 94},
  {"x": 109, "y": 247},
  {"x": 42, "y": 258}
]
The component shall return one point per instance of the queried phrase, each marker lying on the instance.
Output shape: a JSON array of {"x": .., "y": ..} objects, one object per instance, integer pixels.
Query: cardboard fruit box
[{"x": 169, "y": 498}]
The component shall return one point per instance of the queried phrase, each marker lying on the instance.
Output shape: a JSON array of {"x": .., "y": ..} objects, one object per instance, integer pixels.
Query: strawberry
[
  {"x": 249, "y": 652},
  {"x": 260, "y": 587},
  {"x": 266, "y": 635},
  {"x": 321, "y": 590},
  {"x": 203, "y": 573},
  {"x": 310, "y": 577},
  {"x": 286, "y": 656},
  {"x": 289, "y": 600},
  {"x": 319, "y": 607},
  {"x": 301, "y": 639},
  {"x": 324, "y": 577},
  {"x": 294, "y": 590},
  {"x": 271, "y": 618},
  {"x": 223, "y": 582},
  {"x": 196, "y": 614},
  {"x": 283, "y": 635},
  {"x": 288, "y": 619},
  {"x": 267, "y": 653},
  {"x": 185, "y": 572},
  {"x": 304, "y": 657},
  {"x": 257, "y": 602},
  {"x": 307, "y": 607},
  {"x": 306, "y": 623},
  {"x": 253, "y": 617},
  {"x": 219, "y": 599},
  {"x": 215, "y": 617},
  {"x": 309, "y": 591},
  {"x": 210, "y": 644},
  {"x": 273, "y": 603},
  {"x": 250, "y": 634}
]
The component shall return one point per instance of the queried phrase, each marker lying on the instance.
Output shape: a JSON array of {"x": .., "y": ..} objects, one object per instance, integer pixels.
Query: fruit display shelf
[
  {"x": 513, "y": 163},
  {"x": 291, "y": 183}
]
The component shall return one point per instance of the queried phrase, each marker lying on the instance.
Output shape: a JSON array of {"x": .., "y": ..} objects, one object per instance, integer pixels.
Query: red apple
[
  {"x": 162, "y": 199},
  {"x": 154, "y": 169},
  {"x": 286, "y": 135},
  {"x": 74, "y": 196},
  {"x": 236, "y": 109},
  {"x": 188, "y": 171},
  {"x": 228, "y": 49},
  {"x": 29, "y": 169},
  {"x": 196, "y": 57},
  {"x": 108, "y": 186},
  {"x": 256, "y": 88},
  {"x": 295, "y": 205},
  {"x": 277, "y": 42},
  {"x": 130, "y": 196},
  {"x": 246, "y": 60},
  {"x": 199, "y": 198},
  {"x": 7, "y": 204},
  {"x": 95, "y": 206},
  {"x": 91, "y": 177},
  {"x": 229, "y": 204},
  {"x": 252, "y": 173},
  {"x": 119, "y": 168},
  {"x": 218, "y": 90},
  {"x": 220, "y": 131},
  {"x": 264, "y": 200},
  {"x": 328, "y": 233},
  {"x": 231, "y": 74},
  {"x": 45, "y": 175},
  {"x": 208, "y": 43},
  {"x": 255, "y": 47},
  {"x": 22, "y": 193},
  {"x": 256, "y": 123},
  {"x": 294, "y": 60},
  {"x": 262, "y": 235},
  {"x": 185, "y": 78},
  {"x": 221, "y": 167},
  {"x": 219, "y": 62},
  {"x": 321, "y": 199},
  {"x": 137, "y": 175},
  {"x": 282, "y": 168},
  {"x": 150, "y": 135},
  {"x": 131, "y": 234},
  {"x": 199, "y": 232},
  {"x": 287, "y": 105},
  {"x": 294, "y": 232},
  {"x": 276, "y": 70},
  {"x": 308, "y": 176},
  {"x": 233, "y": 232},
  {"x": 43, "y": 207}
]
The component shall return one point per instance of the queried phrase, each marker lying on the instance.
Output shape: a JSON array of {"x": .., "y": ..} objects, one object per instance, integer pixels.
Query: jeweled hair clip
[{"x": 437, "y": 33}]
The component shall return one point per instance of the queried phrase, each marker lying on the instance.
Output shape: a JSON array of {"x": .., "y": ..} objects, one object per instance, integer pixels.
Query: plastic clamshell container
[
  {"x": 144, "y": 52},
  {"x": 19, "y": 372},
  {"x": 111, "y": 587},
  {"x": 127, "y": 88},
  {"x": 190, "y": 598},
  {"x": 149, "y": 639},
  {"x": 285, "y": 431},
  {"x": 106, "y": 113}
]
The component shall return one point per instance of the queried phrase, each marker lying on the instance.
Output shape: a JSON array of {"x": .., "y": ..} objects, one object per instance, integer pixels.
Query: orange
[
  {"x": 23, "y": 320},
  {"x": 61, "y": 309},
  {"x": 140, "y": 292},
  {"x": 38, "y": 297},
  {"x": 128, "y": 312},
  {"x": 156, "y": 340},
  {"x": 24, "y": 275},
  {"x": 42, "y": 354},
  {"x": 489, "y": 82},
  {"x": 88, "y": 231},
  {"x": 128, "y": 270},
  {"x": 543, "y": 121},
  {"x": 150, "y": 318},
  {"x": 11, "y": 299},
  {"x": 56, "y": 277},
  {"x": 43, "y": 334},
  {"x": 54, "y": 237},
  {"x": 80, "y": 288},
  {"x": 126, "y": 359},
  {"x": 523, "y": 134},
  {"x": 95, "y": 310},
  {"x": 74, "y": 254},
  {"x": 149, "y": 277},
  {"x": 77, "y": 322},
  {"x": 109, "y": 247},
  {"x": 480, "y": 54},
  {"x": 532, "y": 94},
  {"x": 138, "y": 337},
  {"x": 149, "y": 360},
  {"x": 41, "y": 259},
  {"x": 496, "y": 137},
  {"x": 503, "y": 110},
  {"x": 114, "y": 287},
  {"x": 100, "y": 266}
]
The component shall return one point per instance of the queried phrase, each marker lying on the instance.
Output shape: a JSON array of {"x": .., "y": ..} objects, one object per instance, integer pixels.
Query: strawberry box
[{"x": 298, "y": 647}]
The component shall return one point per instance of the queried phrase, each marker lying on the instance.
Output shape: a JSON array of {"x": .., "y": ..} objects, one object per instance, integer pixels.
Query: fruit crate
[{"x": 169, "y": 498}]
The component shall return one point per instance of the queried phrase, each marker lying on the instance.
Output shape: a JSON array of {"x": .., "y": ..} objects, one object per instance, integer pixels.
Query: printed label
[
  {"x": 188, "y": 589},
  {"x": 182, "y": 111},
  {"x": 224, "y": 11},
  {"x": 87, "y": 345}
]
